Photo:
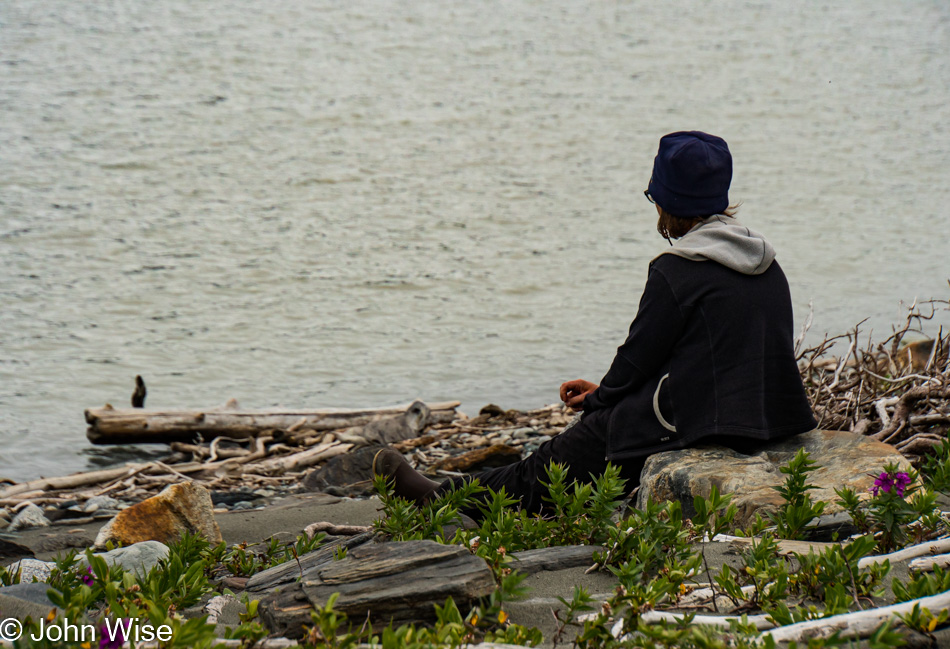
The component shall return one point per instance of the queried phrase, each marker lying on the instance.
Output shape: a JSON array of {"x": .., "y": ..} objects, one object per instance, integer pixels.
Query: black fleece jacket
[{"x": 710, "y": 353}]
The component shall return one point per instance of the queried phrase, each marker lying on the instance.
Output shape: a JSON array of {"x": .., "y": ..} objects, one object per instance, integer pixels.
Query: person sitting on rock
[{"x": 708, "y": 359}]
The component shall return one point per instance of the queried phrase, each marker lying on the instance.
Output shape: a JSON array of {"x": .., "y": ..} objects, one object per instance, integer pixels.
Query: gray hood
[{"x": 723, "y": 239}]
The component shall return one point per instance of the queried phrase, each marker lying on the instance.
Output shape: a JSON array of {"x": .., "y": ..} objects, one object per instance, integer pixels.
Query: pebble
[
  {"x": 29, "y": 516},
  {"x": 522, "y": 433},
  {"x": 243, "y": 504},
  {"x": 264, "y": 493},
  {"x": 101, "y": 502}
]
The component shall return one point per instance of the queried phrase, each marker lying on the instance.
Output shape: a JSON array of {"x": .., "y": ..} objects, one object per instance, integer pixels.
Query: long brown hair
[{"x": 672, "y": 227}]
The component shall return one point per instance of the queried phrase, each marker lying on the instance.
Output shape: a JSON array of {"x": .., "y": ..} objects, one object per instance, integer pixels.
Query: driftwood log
[
  {"x": 928, "y": 564},
  {"x": 920, "y": 550},
  {"x": 494, "y": 455},
  {"x": 720, "y": 621},
  {"x": 785, "y": 548},
  {"x": 395, "y": 582},
  {"x": 860, "y": 624},
  {"x": 108, "y": 425}
]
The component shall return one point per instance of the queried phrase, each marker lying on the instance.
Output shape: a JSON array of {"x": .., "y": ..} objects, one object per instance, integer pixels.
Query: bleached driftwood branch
[
  {"x": 859, "y": 624},
  {"x": 110, "y": 425}
]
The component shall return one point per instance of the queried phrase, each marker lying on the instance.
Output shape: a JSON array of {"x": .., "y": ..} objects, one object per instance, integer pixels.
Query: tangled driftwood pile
[
  {"x": 896, "y": 390},
  {"x": 229, "y": 449}
]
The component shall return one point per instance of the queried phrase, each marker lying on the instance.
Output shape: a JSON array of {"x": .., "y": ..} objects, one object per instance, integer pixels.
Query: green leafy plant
[
  {"x": 922, "y": 620},
  {"x": 799, "y": 509},
  {"x": 936, "y": 468},
  {"x": 405, "y": 521},
  {"x": 922, "y": 584},
  {"x": 9, "y": 577},
  {"x": 899, "y": 510}
]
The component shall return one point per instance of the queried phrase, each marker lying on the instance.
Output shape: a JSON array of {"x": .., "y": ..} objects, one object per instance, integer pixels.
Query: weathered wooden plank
[{"x": 110, "y": 425}]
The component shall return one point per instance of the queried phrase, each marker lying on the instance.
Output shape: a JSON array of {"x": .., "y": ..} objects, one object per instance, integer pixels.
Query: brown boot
[{"x": 408, "y": 483}]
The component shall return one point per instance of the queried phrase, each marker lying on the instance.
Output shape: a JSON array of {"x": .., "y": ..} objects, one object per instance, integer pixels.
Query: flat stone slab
[
  {"x": 394, "y": 582},
  {"x": 22, "y": 600},
  {"x": 290, "y": 571},
  {"x": 554, "y": 558},
  {"x": 845, "y": 460}
]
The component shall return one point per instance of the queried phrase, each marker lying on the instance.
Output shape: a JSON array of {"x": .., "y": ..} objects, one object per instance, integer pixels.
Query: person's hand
[{"x": 574, "y": 392}]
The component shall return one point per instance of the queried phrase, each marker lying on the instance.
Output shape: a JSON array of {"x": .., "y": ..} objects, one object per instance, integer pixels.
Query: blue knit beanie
[{"x": 691, "y": 174}]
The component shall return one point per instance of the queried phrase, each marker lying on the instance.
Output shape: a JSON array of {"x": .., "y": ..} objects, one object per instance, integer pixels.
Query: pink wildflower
[
  {"x": 885, "y": 482},
  {"x": 111, "y": 638},
  {"x": 901, "y": 482}
]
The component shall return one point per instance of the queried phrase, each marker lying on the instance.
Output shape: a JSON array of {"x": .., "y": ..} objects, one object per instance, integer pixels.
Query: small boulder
[
  {"x": 138, "y": 558},
  {"x": 179, "y": 508},
  {"x": 97, "y": 503},
  {"x": 345, "y": 471},
  {"x": 845, "y": 460},
  {"x": 29, "y": 516},
  {"x": 32, "y": 570}
]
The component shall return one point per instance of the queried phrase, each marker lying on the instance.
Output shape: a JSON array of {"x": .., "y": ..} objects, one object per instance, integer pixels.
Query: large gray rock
[
  {"x": 138, "y": 558},
  {"x": 845, "y": 460},
  {"x": 29, "y": 516},
  {"x": 381, "y": 582}
]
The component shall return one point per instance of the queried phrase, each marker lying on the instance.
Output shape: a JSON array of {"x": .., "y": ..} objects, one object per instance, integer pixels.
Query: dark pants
[{"x": 583, "y": 448}]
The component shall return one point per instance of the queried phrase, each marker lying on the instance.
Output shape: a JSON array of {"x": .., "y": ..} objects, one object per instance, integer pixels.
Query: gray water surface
[{"x": 318, "y": 204}]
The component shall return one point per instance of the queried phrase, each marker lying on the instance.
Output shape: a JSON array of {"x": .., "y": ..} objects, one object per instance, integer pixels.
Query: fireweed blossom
[
  {"x": 901, "y": 482},
  {"x": 885, "y": 482},
  {"x": 111, "y": 638}
]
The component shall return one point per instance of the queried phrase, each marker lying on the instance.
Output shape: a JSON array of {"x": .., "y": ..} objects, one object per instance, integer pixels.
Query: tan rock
[
  {"x": 845, "y": 460},
  {"x": 182, "y": 507}
]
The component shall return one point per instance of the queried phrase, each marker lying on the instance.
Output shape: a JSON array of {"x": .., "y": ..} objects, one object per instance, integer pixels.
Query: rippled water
[{"x": 346, "y": 204}]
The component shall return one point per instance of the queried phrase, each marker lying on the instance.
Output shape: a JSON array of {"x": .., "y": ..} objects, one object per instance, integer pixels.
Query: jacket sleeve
[{"x": 653, "y": 333}]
